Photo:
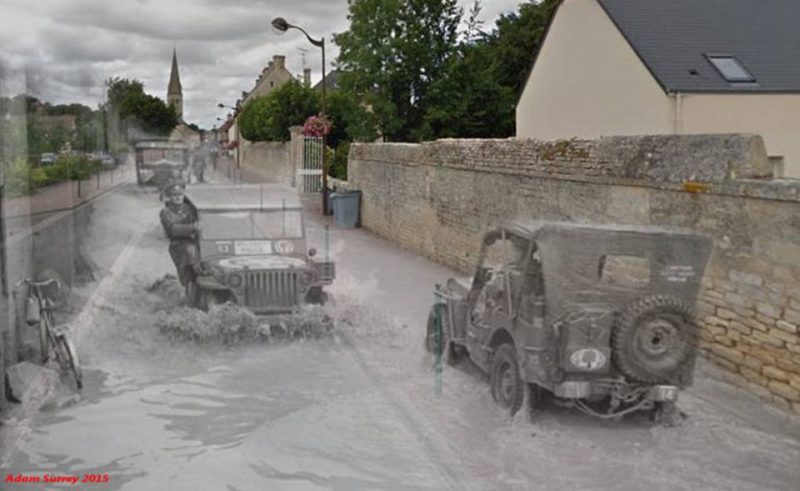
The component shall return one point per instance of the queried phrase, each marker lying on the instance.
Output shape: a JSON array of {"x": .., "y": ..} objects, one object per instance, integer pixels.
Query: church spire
[{"x": 174, "y": 90}]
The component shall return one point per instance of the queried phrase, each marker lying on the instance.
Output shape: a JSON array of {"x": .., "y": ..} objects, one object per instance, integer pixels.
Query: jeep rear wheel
[
  {"x": 653, "y": 339},
  {"x": 508, "y": 388}
]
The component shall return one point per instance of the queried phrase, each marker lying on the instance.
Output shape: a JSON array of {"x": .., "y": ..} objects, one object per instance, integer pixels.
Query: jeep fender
[
  {"x": 483, "y": 357},
  {"x": 210, "y": 283}
]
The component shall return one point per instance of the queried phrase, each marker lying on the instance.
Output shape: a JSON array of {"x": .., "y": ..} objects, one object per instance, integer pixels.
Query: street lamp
[
  {"x": 280, "y": 25},
  {"x": 238, "y": 135}
]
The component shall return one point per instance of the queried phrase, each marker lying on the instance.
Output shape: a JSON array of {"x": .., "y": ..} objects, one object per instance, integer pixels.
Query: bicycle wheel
[
  {"x": 45, "y": 324},
  {"x": 68, "y": 358}
]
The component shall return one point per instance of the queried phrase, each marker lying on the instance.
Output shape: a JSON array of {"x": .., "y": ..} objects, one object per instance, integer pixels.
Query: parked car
[
  {"x": 106, "y": 160},
  {"x": 252, "y": 250},
  {"x": 47, "y": 159},
  {"x": 598, "y": 316}
]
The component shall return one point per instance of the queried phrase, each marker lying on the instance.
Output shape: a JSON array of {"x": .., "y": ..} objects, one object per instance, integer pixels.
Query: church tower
[{"x": 174, "y": 90}]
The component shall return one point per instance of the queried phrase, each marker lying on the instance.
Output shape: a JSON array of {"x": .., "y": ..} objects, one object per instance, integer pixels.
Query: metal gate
[{"x": 309, "y": 178}]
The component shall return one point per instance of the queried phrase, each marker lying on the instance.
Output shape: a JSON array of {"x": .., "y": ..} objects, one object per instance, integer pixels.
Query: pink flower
[{"x": 316, "y": 126}]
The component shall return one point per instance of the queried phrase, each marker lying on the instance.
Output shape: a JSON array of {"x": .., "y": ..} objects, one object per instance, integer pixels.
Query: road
[{"x": 359, "y": 410}]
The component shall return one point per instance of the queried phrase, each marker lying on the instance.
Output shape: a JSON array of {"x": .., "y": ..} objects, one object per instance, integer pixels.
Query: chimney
[
  {"x": 269, "y": 66},
  {"x": 279, "y": 61},
  {"x": 307, "y": 77}
]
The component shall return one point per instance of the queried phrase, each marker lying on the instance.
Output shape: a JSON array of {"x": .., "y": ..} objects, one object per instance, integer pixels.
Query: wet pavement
[{"x": 360, "y": 409}]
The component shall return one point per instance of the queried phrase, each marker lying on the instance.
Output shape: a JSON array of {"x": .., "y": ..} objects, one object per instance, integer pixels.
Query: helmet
[{"x": 174, "y": 188}]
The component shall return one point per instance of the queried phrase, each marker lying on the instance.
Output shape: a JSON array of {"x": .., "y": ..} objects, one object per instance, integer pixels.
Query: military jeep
[
  {"x": 252, "y": 250},
  {"x": 160, "y": 161},
  {"x": 599, "y": 317}
]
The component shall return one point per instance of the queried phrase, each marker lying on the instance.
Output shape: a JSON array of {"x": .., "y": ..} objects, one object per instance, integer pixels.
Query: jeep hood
[{"x": 260, "y": 262}]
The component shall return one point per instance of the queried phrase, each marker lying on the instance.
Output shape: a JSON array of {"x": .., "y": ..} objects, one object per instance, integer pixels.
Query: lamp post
[
  {"x": 238, "y": 135},
  {"x": 281, "y": 26}
]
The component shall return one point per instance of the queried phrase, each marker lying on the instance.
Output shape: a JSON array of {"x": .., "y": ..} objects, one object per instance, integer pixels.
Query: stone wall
[
  {"x": 437, "y": 198},
  {"x": 271, "y": 160}
]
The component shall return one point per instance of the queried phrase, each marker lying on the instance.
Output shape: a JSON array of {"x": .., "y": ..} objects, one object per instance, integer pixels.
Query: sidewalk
[
  {"x": 65, "y": 195},
  {"x": 226, "y": 167}
]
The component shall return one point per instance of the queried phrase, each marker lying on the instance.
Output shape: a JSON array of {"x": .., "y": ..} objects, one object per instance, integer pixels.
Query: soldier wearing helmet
[{"x": 180, "y": 224}]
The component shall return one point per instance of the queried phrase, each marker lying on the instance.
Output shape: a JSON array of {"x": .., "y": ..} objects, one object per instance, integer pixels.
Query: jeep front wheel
[
  {"x": 508, "y": 388},
  {"x": 653, "y": 339}
]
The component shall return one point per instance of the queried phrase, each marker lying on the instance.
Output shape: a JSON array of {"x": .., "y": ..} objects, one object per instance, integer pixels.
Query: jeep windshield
[{"x": 275, "y": 224}]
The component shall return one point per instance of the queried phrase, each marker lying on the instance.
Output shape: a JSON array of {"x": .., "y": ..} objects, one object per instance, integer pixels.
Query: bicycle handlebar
[{"x": 38, "y": 284}]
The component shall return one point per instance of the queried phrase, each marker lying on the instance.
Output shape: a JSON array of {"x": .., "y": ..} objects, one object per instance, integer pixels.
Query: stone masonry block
[
  {"x": 785, "y": 336},
  {"x": 739, "y": 327},
  {"x": 722, "y": 362},
  {"x": 753, "y": 376},
  {"x": 728, "y": 353},
  {"x": 788, "y": 366},
  {"x": 784, "y": 390},
  {"x": 755, "y": 324},
  {"x": 786, "y": 327},
  {"x": 738, "y": 300},
  {"x": 753, "y": 363},
  {"x": 726, "y": 314},
  {"x": 767, "y": 339},
  {"x": 769, "y": 310},
  {"x": 792, "y": 316},
  {"x": 775, "y": 374},
  {"x": 769, "y": 321}
]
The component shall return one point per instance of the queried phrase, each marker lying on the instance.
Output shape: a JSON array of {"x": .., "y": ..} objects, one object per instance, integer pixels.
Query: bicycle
[{"x": 39, "y": 311}]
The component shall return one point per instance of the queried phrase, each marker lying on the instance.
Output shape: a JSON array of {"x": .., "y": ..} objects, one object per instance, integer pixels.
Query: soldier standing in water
[{"x": 180, "y": 224}]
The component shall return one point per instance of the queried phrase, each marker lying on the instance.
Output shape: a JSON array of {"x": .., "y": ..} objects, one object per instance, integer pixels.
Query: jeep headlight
[
  {"x": 214, "y": 271},
  {"x": 235, "y": 280}
]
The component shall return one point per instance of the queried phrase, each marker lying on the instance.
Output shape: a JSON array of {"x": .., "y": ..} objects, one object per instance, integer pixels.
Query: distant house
[
  {"x": 50, "y": 123},
  {"x": 331, "y": 81},
  {"x": 272, "y": 76},
  {"x": 625, "y": 67}
]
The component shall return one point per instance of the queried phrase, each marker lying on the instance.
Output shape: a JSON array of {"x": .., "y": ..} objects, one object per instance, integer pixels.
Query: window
[
  {"x": 730, "y": 68},
  {"x": 625, "y": 271}
]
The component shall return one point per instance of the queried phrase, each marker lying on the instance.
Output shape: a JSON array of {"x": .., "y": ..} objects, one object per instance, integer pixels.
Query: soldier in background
[
  {"x": 200, "y": 160},
  {"x": 180, "y": 224}
]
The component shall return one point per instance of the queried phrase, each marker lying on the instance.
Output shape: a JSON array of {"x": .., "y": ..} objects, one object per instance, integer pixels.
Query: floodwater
[{"x": 357, "y": 409}]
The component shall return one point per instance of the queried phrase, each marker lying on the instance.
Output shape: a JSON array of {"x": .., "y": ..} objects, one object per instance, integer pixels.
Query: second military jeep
[
  {"x": 599, "y": 317},
  {"x": 252, "y": 250}
]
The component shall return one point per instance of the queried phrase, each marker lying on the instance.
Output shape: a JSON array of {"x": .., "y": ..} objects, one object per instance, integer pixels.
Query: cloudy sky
[{"x": 63, "y": 50}]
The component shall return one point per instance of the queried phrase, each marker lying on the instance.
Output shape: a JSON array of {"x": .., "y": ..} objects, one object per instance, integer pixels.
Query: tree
[
  {"x": 391, "y": 55},
  {"x": 130, "y": 105},
  {"x": 478, "y": 96},
  {"x": 350, "y": 120},
  {"x": 516, "y": 40},
  {"x": 269, "y": 117}
]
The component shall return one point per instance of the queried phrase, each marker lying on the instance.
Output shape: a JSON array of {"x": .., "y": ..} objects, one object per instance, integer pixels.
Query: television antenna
[{"x": 303, "y": 53}]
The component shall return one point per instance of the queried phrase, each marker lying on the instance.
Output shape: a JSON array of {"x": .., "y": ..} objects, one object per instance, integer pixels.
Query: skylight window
[{"x": 731, "y": 69}]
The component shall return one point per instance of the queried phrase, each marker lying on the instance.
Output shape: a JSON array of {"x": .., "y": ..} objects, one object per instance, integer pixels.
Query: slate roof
[
  {"x": 331, "y": 81},
  {"x": 673, "y": 37}
]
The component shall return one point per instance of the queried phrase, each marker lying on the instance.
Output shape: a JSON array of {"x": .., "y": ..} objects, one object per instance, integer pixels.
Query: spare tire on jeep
[{"x": 654, "y": 338}]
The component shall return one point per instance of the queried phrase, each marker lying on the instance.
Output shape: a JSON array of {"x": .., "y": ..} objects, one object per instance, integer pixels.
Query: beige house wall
[
  {"x": 588, "y": 82},
  {"x": 774, "y": 116}
]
